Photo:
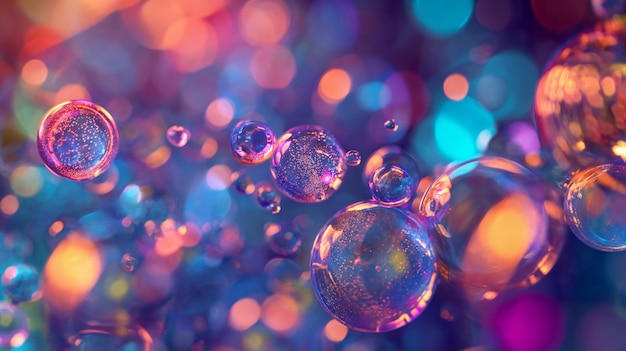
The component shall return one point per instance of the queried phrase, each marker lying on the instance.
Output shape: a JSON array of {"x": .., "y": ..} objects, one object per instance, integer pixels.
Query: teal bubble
[{"x": 442, "y": 18}]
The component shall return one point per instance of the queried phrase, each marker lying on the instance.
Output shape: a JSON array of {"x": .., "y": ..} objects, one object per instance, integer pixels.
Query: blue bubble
[
  {"x": 594, "y": 204},
  {"x": 21, "y": 283},
  {"x": 391, "y": 185},
  {"x": 373, "y": 267},
  {"x": 284, "y": 239},
  {"x": 252, "y": 142},
  {"x": 309, "y": 164}
]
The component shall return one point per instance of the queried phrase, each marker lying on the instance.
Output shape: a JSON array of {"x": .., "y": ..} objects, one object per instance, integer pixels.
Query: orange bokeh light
[
  {"x": 335, "y": 331},
  {"x": 71, "y": 92},
  {"x": 334, "y": 86},
  {"x": 264, "y": 22},
  {"x": 219, "y": 113},
  {"x": 280, "y": 313},
  {"x": 244, "y": 314},
  {"x": 34, "y": 72},
  {"x": 273, "y": 67},
  {"x": 192, "y": 44},
  {"x": 9, "y": 204},
  {"x": 456, "y": 87},
  {"x": 71, "y": 272}
]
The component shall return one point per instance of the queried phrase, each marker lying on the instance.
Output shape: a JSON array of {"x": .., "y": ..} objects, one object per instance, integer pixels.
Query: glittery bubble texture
[
  {"x": 309, "y": 164},
  {"x": 594, "y": 206},
  {"x": 494, "y": 224},
  {"x": 373, "y": 267},
  {"x": 580, "y": 110},
  {"x": 77, "y": 140}
]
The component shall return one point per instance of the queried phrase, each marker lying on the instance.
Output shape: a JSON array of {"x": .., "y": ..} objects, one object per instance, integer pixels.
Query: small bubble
[
  {"x": 353, "y": 158},
  {"x": 267, "y": 197},
  {"x": 273, "y": 208},
  {"x": 21, "y": 283},
  {"x": 391, "y": 125},
  {"x": 243, "y": 184},
  {"x": 252, "y": 142},
  {"x": 178, "y": 136},
  {"x": 391, "y": 185},
  {"x": 284, "y": 240},
  {"x": 129, "y": 262}
]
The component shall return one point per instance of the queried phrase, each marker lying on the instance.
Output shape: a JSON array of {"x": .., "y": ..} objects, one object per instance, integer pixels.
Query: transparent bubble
[
  {"x": 579, "y": 102},
  {"x": 178, "y": 136},
  {"x": 391, "y": 185},
  {"x": 391, "y": 155},
  {"x": 129, "y": 262},
  {"x": 494, "y": 224},
  {"x": 309, "y": 164},
  {"x": 353, "y": 158},
  {"x": 373, "y": 267},
  {"x": 608, "y": 8},
  {"x": 13, "y": 326},
  {"x": 21, "y": 283},
  {"x": 268, "y": 197},
  {"x": 594, "y": 204},
  {"x": 77, "y": 140},
  {"x": 283, "y": 239},
  {"x": 243, "y": 183},
  {"x": 105, "y": 338},
  {"x": 391, "y": 125},
  {"x": 252, "y": 142}
]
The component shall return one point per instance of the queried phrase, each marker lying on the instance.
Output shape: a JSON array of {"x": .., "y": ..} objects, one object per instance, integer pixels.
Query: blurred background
[{"x": 458, "y": 77}]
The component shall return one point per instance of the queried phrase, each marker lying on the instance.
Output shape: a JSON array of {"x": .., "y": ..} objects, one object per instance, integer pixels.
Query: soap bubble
[
  {"x": 391, "y": 125},
  {"x": 579, "y": 102},
  {"x": 391, "y": 155},
  {"x": 13, "y": 326},
  {"x": 494, "y": 224},
  {"x": 373, "y": 267},
  {"x": 107, "y": 338},
  {"x": 77, "y": 140},
  {"x": 178, "y": 136},
  {"x": 267, "y": 197},
  {"x": 21, "y": 283},
  {"x": 243, "y": 183},
  {"x": 309, "y": 164},
  {"x": 353, "y": 158},
  {"x": 608, "y": 8},
  {"x": 129, "y": 262},
  {"x": 283, "y": 239},
  {"x": 594, "y": 204},
  {"x": 391, "y": 185},
  {"x": 252, "y": 142}
]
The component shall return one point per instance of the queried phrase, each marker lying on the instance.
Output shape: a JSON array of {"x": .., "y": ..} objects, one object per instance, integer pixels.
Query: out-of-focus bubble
[
  {"x": 353, "y": 158},
  {"x": 579, "y": 107},
  {"x": 391, "y": 125},
  {"x": 243, "y": 183},
  {"x": 252, "y": 142},
  {"x": 309, "y": 164},
  {"x": 391, "y": 185},
  {"x": 178, "y": 136},
  {"x": 284, "y": 239},
  {"x": 442, "y": 18},
  {"x": 77, "y": 140},
  {"x": 13, "y": 326},
  {"x": 373, "y": 267},
  {"x": 608, "y": 8},
  {"x": 116, "y": 338},
  {"x": 494, "y": 224},
  {"x": 21, "y": 283},
  {"x": 129, "y": 262},
  {"x": 594, "y": 201},
  {"x": 391, "y": 155},
  {"x": 267, "y": 197}
]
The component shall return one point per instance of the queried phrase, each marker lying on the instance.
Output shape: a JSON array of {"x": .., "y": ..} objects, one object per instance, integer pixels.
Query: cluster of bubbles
[{"x": 489, "y": 224}]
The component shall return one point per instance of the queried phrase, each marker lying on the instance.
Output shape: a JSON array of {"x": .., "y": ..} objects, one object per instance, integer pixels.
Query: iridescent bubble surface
[
  {"x": 77, "y": 140},
  {"x": 391, "y": 185},
  {"x": 13, "y": 326},
  {"x": 309, "y": 164},
  {"x": 284, "y": 239},
  {"x": 391, "y": 125},
  {"x": 353, "y": 158},
  {"x": 21, "y": 283},
  {"x": 594, "y": 204},
  {"x": 579, "y": 101},
  {"x": 178, "y": 136},
  {"x": 494, "y": 224},
  {"x": 252, "y": 142},
  {"x": 373, "y": 267}
]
